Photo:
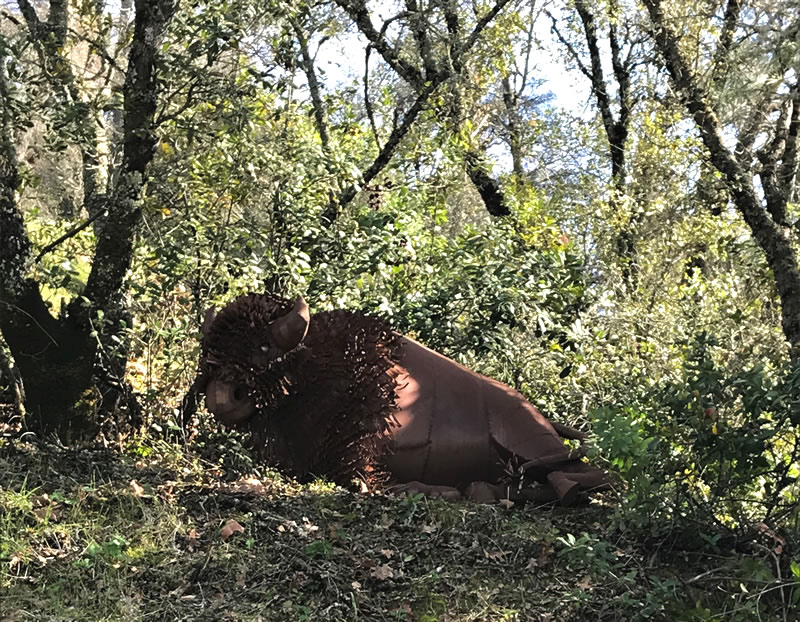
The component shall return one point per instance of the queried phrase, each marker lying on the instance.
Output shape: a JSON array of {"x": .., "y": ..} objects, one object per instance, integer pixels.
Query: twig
[
  {"x": 71, "y": 233},
  {"x": 386, "y": 153},
  {"x": 368, "y": 101}
]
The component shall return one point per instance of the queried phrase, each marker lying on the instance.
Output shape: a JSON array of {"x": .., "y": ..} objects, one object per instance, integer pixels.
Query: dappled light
[{"x": 537, "y": 254}]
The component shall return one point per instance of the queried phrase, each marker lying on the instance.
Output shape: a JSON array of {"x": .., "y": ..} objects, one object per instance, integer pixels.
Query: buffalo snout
[{"x": 231, "y": 403}]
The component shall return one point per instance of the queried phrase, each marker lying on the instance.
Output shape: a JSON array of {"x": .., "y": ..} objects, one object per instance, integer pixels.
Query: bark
[
  {"x": 787, "y": 171},
  {"x": 15, "y": 246},
  {"x": 773, "y": 238},
  {"x": 15, "y": 385},
  {"x": 475, "y": 164},
  {"x": 770, "y": 156},
  {"x": 419, "y": 28},
  {"x": 58, "y": 356},
  {"x": 115, "y": 245},
  {"x": 729, "y": 21},
  {"x": 616, "y": 128},
  {"x": 115, "y": 117},
  {"x": 357, "y": 10},
  {"x": 490, "y": 191}
]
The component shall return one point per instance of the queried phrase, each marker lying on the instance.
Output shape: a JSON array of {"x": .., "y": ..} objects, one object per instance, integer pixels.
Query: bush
[{"x": 714, "y": 447}]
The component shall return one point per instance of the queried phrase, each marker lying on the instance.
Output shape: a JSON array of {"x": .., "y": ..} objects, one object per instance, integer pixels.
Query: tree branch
[
  {"x": 387, "y": 152},
  {"x": 482, "y": 24},
  {"x": 69, "y": 234},
  {"x": 368, "y": 101},
  {"x": 454, "y": 31},
  {"x": 511, "y": 103},
  {"x": 57, "y": 20},
  {"x": 418, "y": 29},
  {"x": 788, "y": 169},
  {"x": 357, "y": 10},
  {"x": 50, "y": 38},
  {"x": 729, "y": 21},
  {"x": 307, "y": 65},
  {"x": 31, "y": 18},
  {"x": 621, "y": 73},
  {"x": 777, "y": 181},
  {"x": 597, "y": 77},
  {"x": 758, "y": 119},
  {"x": 554, "y": 29},
  {"x": 528, "y": 50},
  {"x": 97, "y": 48}
]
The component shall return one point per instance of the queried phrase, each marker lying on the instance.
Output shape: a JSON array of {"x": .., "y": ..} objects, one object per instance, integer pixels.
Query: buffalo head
[{"x": 240, "y": 345}]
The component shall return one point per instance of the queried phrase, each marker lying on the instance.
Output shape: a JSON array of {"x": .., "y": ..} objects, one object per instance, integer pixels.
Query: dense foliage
[{"x": 595, "y": 203}]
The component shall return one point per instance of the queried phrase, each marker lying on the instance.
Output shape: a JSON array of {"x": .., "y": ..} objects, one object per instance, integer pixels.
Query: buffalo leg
[
  {"x": 567, "y": 489},
  {"x": 484, "y": 492},
  {"x": 591, "y": 480},
  {"x": 569, "y": 432}
]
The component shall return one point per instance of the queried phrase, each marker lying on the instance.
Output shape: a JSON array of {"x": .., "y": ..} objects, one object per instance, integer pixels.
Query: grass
[{"x": 156, "y": 532}]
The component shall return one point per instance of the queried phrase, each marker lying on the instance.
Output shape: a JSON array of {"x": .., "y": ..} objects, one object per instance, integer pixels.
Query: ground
[{"x": 157, "y": 530}]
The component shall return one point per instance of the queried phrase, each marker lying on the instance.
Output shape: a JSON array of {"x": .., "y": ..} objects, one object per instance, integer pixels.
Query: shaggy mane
[{"x": 327, "y": 406}]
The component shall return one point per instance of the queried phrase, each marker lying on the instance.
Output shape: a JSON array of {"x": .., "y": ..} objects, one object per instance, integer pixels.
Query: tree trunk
[
  {"x": 616, "y": 126},
  {"x": 58, "y": 355},
  {"x": 55, "y": 358},
  {"x": 772, "y": 236},
  {"x": 513, "y": 123},
  {"x": 53, "y": 355},
  {"x": 15, "y": 386}
]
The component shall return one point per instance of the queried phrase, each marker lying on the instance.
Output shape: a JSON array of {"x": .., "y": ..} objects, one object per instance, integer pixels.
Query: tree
[
  {"x": 427, "y": 59},
  {"x": 615, "y": 101},
  {"x": 60, "y": 356},
  {"x": 771, "y": 119},
  {"x": 516, "y": 86}
]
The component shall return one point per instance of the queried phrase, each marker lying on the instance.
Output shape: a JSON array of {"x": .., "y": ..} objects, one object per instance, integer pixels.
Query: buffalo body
[{"x": 339, "y": 394}]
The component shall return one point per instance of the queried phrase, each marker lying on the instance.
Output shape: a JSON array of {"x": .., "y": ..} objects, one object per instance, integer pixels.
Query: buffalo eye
[{"x": 264, "y": 355}]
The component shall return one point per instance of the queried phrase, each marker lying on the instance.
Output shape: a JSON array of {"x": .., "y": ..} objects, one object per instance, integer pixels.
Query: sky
[{"x": 343, "y": 62}]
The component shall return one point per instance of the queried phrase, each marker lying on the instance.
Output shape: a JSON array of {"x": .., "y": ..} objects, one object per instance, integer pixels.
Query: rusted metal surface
[{"x": 338, "y": 394}]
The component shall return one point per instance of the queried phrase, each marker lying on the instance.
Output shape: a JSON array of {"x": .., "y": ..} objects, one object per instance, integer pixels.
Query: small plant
[
  {"x": 319, "y": 548},
  {"x": 715, "y": 446},
  {"x": 113, "y": 549},
  {"x": 588, "y": 552}
]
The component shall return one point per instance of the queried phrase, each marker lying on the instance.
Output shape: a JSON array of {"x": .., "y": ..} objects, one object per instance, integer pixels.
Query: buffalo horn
[{"x": 289, "y": 330}]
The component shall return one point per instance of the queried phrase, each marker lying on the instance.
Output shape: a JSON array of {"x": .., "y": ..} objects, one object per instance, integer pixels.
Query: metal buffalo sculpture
[{"x": 339, "y": 394}]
